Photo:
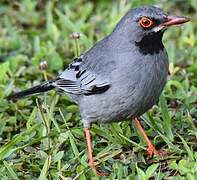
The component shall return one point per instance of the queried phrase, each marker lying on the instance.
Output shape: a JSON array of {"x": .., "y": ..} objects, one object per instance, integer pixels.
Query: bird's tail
[{"x": 46, "y": 86}]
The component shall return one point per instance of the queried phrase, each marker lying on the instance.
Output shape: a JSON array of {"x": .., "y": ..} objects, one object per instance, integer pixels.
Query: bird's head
[{"x": 145, "y": 26}]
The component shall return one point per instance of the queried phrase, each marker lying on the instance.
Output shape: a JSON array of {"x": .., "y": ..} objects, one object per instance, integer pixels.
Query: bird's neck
[
  {"x": 125, "y": 41},
  {"x": 150, "y": 44}
]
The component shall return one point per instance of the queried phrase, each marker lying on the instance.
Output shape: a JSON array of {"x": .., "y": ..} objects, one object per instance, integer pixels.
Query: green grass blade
[
  {"x": 44, "y": 171},
  {"x": 132, "y": 142},
  {"x": 10, "y": 170},
  {"x": 166, "y": 118},
  {"x": 8, "y": 148},
  {"x": 187, "y": 148},
  {"x": 170, "y": 144}
]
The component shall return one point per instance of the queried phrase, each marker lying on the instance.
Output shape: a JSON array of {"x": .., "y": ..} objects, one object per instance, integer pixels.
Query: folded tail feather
[{"x": 46, "y": 86}]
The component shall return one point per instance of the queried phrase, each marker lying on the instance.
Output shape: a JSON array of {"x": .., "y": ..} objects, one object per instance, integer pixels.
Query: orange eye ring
[{"x": 146, "y": 22}]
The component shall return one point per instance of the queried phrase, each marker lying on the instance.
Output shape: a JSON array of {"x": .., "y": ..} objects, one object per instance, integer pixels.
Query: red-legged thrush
[{"x": 121, "y": 76}]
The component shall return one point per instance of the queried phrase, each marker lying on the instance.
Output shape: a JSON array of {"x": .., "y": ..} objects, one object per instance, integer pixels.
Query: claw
[{"x": 151, "y": 151}]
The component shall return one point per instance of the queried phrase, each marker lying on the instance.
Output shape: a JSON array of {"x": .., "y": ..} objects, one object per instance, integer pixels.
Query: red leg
[
  {"x": 90, "y": 156},
  {"x": 151, "y": 148}
]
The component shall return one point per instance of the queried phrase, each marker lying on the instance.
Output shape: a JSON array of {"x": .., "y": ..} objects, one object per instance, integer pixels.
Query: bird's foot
[
  {"x": 151, "y": 150},
  {"x": 96, "y": 169}
]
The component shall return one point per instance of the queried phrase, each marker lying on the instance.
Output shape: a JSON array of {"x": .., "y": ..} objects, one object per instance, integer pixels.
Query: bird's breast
[
  {"x": 138, "y": 85},
  {"x": 135, "y": 88}
]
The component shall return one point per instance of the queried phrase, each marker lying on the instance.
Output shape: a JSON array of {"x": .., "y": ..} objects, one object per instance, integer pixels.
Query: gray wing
[{"x": 78, "y": 79}]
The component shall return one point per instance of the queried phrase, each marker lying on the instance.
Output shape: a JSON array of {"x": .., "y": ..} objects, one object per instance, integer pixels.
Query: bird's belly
[
  {"x": 123, "y": 99},
  {"x": 107, "y": 108}
]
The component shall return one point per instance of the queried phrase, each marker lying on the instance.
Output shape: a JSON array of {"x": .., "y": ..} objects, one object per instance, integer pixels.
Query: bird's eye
[{"x": 146, "y": 22}]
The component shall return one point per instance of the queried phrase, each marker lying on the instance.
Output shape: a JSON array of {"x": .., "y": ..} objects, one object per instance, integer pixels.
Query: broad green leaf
[{"x": 151, "y": 170}]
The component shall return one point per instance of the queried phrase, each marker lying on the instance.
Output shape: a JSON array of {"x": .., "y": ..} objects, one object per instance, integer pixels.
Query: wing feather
[{"x": 77, "y": 80}]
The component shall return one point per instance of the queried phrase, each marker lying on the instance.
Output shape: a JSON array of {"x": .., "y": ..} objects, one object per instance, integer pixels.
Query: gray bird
[{"x": 121, "y": 76}]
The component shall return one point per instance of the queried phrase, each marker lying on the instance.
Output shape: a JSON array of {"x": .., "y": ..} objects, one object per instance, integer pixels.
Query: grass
[{"x": 42, "y": 137}]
